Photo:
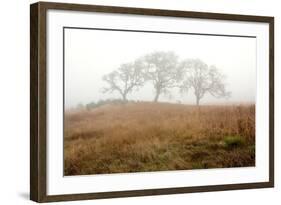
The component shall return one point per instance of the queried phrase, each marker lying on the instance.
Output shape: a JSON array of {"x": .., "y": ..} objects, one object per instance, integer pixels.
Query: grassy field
[{"x": 138, "y": 137}]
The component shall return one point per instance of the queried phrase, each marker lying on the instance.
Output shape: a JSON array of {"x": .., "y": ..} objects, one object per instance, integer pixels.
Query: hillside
[{"x": 137, "y": 137}]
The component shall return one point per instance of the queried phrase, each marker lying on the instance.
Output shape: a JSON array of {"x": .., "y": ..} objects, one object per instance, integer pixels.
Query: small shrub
[
  {"x": 252, "y": 151},
  {"x": 201, "y": 165},
  {"x": 233, "y": 141},
  {"x": 199, "y": 155}
]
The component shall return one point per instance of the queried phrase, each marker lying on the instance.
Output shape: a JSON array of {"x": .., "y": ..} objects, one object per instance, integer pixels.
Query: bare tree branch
[
  {"x": 202, "y": 79},
  {"x": 161, "y": 68},
  {"x": 125, "y": 79}
]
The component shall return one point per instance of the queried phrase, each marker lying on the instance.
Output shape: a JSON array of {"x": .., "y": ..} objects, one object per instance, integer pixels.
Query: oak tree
[
  {"x": 202, "y": 79},
  {"x": 125, "y": 79},
  {"x": 161, "y": 68}
]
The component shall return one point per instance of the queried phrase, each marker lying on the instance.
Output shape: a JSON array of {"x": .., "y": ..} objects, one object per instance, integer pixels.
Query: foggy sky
[{"x": 90, "y": 54}]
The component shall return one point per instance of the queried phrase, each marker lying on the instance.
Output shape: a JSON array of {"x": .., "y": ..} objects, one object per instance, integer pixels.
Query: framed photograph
[{"x": 134, "y": 102}]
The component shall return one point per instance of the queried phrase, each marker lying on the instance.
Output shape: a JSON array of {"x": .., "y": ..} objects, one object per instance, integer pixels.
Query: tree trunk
[
  {"x": 197, "y": 100},
  {"x": 124, "y": 97},
  {"x": 156, "y": 96}
]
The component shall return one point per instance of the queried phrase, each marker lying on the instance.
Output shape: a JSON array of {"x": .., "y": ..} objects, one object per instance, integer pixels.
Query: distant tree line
[
  {"x": 164, "y": 71},
  {"x": 99, "y": 103}
]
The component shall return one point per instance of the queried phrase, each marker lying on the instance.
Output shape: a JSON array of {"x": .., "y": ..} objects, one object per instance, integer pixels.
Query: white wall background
[{"x": 14, "y": 103}]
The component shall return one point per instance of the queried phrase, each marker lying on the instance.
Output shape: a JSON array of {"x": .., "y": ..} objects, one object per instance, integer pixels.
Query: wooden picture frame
[{"x": 39, "y": 112}]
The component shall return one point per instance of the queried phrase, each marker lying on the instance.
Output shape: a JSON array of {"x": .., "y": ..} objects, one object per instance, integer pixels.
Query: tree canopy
[
  {"x": 202, "y": 79},
  {"x": 125, "y": 79},
  {"x": 164, "y": 71},
  {"x": 161, "y": 68}
]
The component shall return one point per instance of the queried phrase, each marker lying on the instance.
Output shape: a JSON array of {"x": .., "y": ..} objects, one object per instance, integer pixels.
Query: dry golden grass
[{"x": 137, "y": 137}]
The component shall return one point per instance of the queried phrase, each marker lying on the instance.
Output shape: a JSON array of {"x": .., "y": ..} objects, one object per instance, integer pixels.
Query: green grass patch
[
  {"x": 233, "y": 141},
  {"x": 198, "y": 165}
]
